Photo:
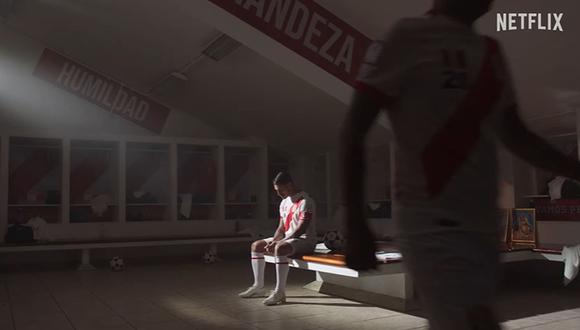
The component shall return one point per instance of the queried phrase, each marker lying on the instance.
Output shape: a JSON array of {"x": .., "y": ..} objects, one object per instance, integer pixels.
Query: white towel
[
  {"x": 38, "y": 226},
  {"x": 186, "y": 204},
  {"x": 571, "y": 256},
  {"x": 100, "y": 204},
  {"x": 555, "y": 187}
]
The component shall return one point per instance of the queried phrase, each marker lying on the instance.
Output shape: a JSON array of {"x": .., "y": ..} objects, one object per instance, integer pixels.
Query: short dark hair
[
  {"x": 467, "y": 10},
  {"x": 282, "y": 178}
]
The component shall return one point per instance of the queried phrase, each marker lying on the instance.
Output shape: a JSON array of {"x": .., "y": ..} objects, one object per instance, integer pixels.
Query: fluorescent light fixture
[
  {"x": 180, "y": 76},
  {"x": 221, "y": 47}
]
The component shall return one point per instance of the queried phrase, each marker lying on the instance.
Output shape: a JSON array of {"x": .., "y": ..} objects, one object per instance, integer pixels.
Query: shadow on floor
[{"x": 531, "y": 288}]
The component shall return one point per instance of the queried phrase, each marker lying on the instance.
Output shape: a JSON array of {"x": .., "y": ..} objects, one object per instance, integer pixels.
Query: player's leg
[
  {"x": 282, "y": 251},
  {"x": 258, "y": 266},
  {"x": 455, "y": 276}
]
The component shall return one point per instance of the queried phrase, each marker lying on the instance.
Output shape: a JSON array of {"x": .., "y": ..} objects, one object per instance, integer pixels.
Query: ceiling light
[
  {"x": 221, "y": 47},
  {"x": 180, "y": 76}
]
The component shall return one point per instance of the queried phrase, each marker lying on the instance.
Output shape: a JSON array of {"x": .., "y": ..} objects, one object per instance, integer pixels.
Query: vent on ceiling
[{"x": 221, "y": 47}]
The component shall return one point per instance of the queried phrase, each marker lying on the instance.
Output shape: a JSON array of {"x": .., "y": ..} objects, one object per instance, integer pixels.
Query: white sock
[
  {"x": 258, "y": 265},
  {"x": 282, "y": 268}
]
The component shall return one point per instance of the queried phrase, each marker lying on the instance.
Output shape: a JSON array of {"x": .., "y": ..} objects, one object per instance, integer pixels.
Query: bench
[
  {"x": 86, "y": 246},
  {"x": 549, "y": 252},
  {"x": 388, "y": 286}
]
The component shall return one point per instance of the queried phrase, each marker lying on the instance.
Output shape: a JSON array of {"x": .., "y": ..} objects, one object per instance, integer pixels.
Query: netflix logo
[{"x": 530, "y": 22}]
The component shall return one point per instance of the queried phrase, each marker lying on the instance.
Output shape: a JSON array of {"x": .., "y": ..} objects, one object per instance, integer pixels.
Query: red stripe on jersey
[
  {"x": 291, "y": 214},
  {"x": 373, "y": 93},
  {"x": 451, "y": 146}
]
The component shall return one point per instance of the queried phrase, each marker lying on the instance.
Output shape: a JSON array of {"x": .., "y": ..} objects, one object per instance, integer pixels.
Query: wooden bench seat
[
  {"x": 338, "y": 259},
  {"x": 550, "y": 252},
  {"x": 388, "y": 286},
  {"x": 538, "y": 252},
  {"x": 328, "y": 259}
]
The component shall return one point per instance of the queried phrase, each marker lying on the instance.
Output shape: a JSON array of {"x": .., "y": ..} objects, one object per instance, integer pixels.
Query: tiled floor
[{"x": 197, "y": 296}]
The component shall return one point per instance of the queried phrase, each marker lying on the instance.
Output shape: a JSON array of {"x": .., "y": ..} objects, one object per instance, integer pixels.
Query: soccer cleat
[
  {"x": 253, "y": 291},
  {"x": 275, "y": 298}
]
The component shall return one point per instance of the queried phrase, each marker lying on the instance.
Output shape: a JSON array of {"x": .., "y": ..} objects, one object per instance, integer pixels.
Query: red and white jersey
[
  {"x": 296, "y": 209},
  {"x": 446, "y": 87}
]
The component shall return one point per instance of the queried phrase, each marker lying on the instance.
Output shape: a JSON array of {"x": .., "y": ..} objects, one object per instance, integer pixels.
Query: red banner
[
  {"x": 560, "y": 210},
  {"x": 308, "y": 29},
  {"x": 102, "y": 91}
]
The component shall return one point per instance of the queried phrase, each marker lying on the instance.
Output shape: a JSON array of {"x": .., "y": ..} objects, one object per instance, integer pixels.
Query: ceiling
[{"x": 140, "y": 42}]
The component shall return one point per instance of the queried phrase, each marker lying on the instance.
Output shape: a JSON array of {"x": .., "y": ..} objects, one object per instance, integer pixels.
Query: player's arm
[
  {"x": 280, "y": 232},
  {"x": 379, "y": 84},
  {"x": 529, "y": 146},
  {"x": 362, "y": 113},
  {"x": 360, "y": 247},
  {"x": 278, "y": 236}
]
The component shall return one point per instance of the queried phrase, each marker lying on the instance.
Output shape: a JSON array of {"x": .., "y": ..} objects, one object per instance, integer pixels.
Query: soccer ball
[
  {"x": 209, "y": 257},
  {"x": 117, "y": 264},
  {"x": 333, "y": 240}
]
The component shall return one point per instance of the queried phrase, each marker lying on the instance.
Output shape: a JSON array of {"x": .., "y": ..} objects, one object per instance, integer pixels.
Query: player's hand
[
  {"x": 270, "y": 247},
  {"x": 360, "y": 249}
]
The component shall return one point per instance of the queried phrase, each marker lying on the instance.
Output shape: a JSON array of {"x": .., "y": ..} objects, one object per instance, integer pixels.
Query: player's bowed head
[{"x": 467, "y": 11}]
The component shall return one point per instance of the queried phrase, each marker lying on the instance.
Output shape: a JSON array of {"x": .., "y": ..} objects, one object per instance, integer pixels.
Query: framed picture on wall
[
  {"x": 504, "y": 225},
  {"x": 523, "y": 226}
]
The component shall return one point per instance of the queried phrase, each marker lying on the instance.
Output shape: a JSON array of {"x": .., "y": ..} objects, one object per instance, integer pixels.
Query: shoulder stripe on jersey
[
  {"x": 451, "y": 146},
  {"x": 373, "y": 93},
  {"x": 291, "y": 214}
]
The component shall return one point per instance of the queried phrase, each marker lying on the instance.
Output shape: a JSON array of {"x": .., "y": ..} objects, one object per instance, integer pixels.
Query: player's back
[{"x": 441, "y": 76}]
